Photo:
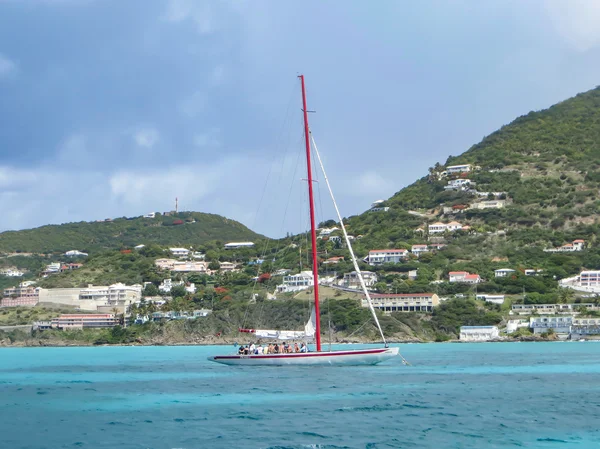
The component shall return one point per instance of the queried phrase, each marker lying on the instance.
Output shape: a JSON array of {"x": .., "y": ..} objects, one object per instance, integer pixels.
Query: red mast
[{"x": 313, "y": 231}]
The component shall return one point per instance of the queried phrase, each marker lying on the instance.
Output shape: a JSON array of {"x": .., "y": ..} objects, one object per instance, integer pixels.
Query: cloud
[
  {"x": 146, "y": 138},
  {"x": 7, "y": 67},
  {"x": 199, "y": 13},
  {"x": 576, "y": 21}
]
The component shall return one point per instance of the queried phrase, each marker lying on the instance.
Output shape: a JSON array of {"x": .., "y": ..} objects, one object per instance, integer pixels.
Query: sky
[{"x": 112, "y": 108}]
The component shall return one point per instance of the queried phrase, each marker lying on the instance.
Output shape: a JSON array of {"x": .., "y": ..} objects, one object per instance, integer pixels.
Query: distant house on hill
[
  {"x": 576, "y": 245},
  {"x": 454, "y": 169},
  {"x": 381, "y": 256},
  {"x": 237, "y": 245},
  {"x": 503, "y": 272},
  {"x": 464, "y": 277},
  {"x": 75, "y": 253}
]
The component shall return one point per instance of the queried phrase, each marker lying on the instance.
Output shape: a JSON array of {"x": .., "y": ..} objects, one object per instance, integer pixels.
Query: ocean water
[{"x": 487, "y": 395}]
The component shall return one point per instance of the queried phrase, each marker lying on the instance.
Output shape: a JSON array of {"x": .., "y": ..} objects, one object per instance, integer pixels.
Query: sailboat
[{"x": 371, "y": 356}]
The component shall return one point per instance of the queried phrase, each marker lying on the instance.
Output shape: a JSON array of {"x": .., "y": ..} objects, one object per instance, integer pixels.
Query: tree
[
  {"x": 381, "y": 287},
  {"x": 150, "y": 290},
  {"x": 214, "y": 265},
  {"x": 565, "y": 295},
  {"x": 178, "y": 291}
]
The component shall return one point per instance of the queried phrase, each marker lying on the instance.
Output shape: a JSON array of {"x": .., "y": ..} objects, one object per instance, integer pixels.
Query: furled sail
[{"x": 307, "y": 333}]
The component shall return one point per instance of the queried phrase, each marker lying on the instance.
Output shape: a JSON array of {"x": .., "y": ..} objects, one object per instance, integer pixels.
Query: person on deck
[
  {"x": 258, "y": 349},
  {"x": 276, "y": 349},
  {"x": 303, "y": 348},
  {"x": 251, "y": 349},
  {"x": 296, "y": 348}
]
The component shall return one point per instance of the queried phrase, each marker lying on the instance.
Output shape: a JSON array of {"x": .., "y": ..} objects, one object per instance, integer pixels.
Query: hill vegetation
[{"x": 184, "y": 228}]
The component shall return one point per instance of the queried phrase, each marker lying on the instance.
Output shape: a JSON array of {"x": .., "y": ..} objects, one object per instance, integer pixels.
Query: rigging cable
[{"x": 352, "y": 256}]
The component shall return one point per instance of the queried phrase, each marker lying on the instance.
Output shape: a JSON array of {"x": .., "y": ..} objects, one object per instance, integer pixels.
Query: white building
[
  {"x": 381, "y": 256},
  {"x": 403, "y": 302},
  {"x": 503, "y": 272},
  {"x": 514, "y": 325},
  {"x": 479, "y": 333},
  {"x": 227, "y": 267},
  {"x": 9, "y": 272},
  {"x": 490, "y": 204},
  {"x": 418, "y": 249},
  {"x": 113, "y": 293},
  {"x": 559, "y": 324},
  {"x": 296, "y": 282},
  {"x": 167, "y": 284},
  {"x": 458, "y": 184},
  {"x": 150, "y": 215},
  {"x": 75, "y": 253},
  {"x": 552, "y": 309},
  {"x": 324, "y": 232},
  {"x": 494, "y": 299},
  {"x": 351, "y": 279},
  {"x": 179, "y": 252},
  {"x": 576, "y": 245},
  {"x": 585, "y": 326},
  {"x": 464, "y": 277},
  {"x": 453, "y": 169},
  {"x": 182, "y": 266},
  {"x": 589, "y": 278},
  {"x": 237, "y": 245},
  {"x": 439, "y": 227}
]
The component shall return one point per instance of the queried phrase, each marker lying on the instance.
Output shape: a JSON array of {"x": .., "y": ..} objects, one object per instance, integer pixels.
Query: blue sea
[{"x": 486, "y": 395}]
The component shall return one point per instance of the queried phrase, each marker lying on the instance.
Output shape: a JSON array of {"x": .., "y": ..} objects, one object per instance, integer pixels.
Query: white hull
[{"x": 327, "y": 358}]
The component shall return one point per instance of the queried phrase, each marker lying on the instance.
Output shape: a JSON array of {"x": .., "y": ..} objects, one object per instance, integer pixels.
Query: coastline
[{"x": 215, "y": 341}]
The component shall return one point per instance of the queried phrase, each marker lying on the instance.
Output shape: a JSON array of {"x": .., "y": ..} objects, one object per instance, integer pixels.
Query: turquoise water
[{"x": 509, "y": 395}]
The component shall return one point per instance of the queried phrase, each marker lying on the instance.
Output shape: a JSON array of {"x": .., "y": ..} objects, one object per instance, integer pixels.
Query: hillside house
[
  {"x": 20, "y": 296},
  {"x": 464, "y": 277},
  {"x": 11, "y": 272},
  {"x": 403, "y": 302},
  {"x": 75, "y": 253},
  {"x": 531, "y": 272},
  {"x": 381, "y": 256},
  {"x": 559, "y": 324},
  {"x": 296, "y": 282},
  {"x": 456, "y": 169},
  {"x": 458, "y": 184},
  {"x": 576, "y": 245},
  {"x": 503, "y": 272},
  {"x": 238, "y": 245},
  {"x": 324, "y": 232},
  {"x": 418, "y": 249},
  {"x": 78, "y": 321},
  {"x": 494, "y": 299},
  {"x": 150, "y": 215},
  {"x": 167, "y": 284},
  {"x": 351, "y": 280},
  {"x": 479, "y": 333},
  {"x": 179, "y": 252},
  {"x": 227, "y": 267},
  {"x": 333, "y": 260},
  {"x": 336, "y": 239},
  {"x": 439, "y": 227},
  {"x": 490, "y": 204}
]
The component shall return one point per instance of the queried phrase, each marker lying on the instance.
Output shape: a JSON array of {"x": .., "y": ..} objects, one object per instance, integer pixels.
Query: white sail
[{"x": 307, "y": 333}]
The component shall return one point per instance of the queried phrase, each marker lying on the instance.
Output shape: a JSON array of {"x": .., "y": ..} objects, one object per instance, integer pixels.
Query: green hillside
[
  {"x": 544, "y": 164},
  {"x": 197, "y": 228}
]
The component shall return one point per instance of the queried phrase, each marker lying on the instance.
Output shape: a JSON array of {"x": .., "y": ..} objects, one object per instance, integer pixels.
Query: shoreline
[{"x": 61, "y": 344}]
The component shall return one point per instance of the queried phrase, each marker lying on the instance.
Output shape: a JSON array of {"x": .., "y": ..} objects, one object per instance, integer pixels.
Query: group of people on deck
[{"x": 283, "y": 348}]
